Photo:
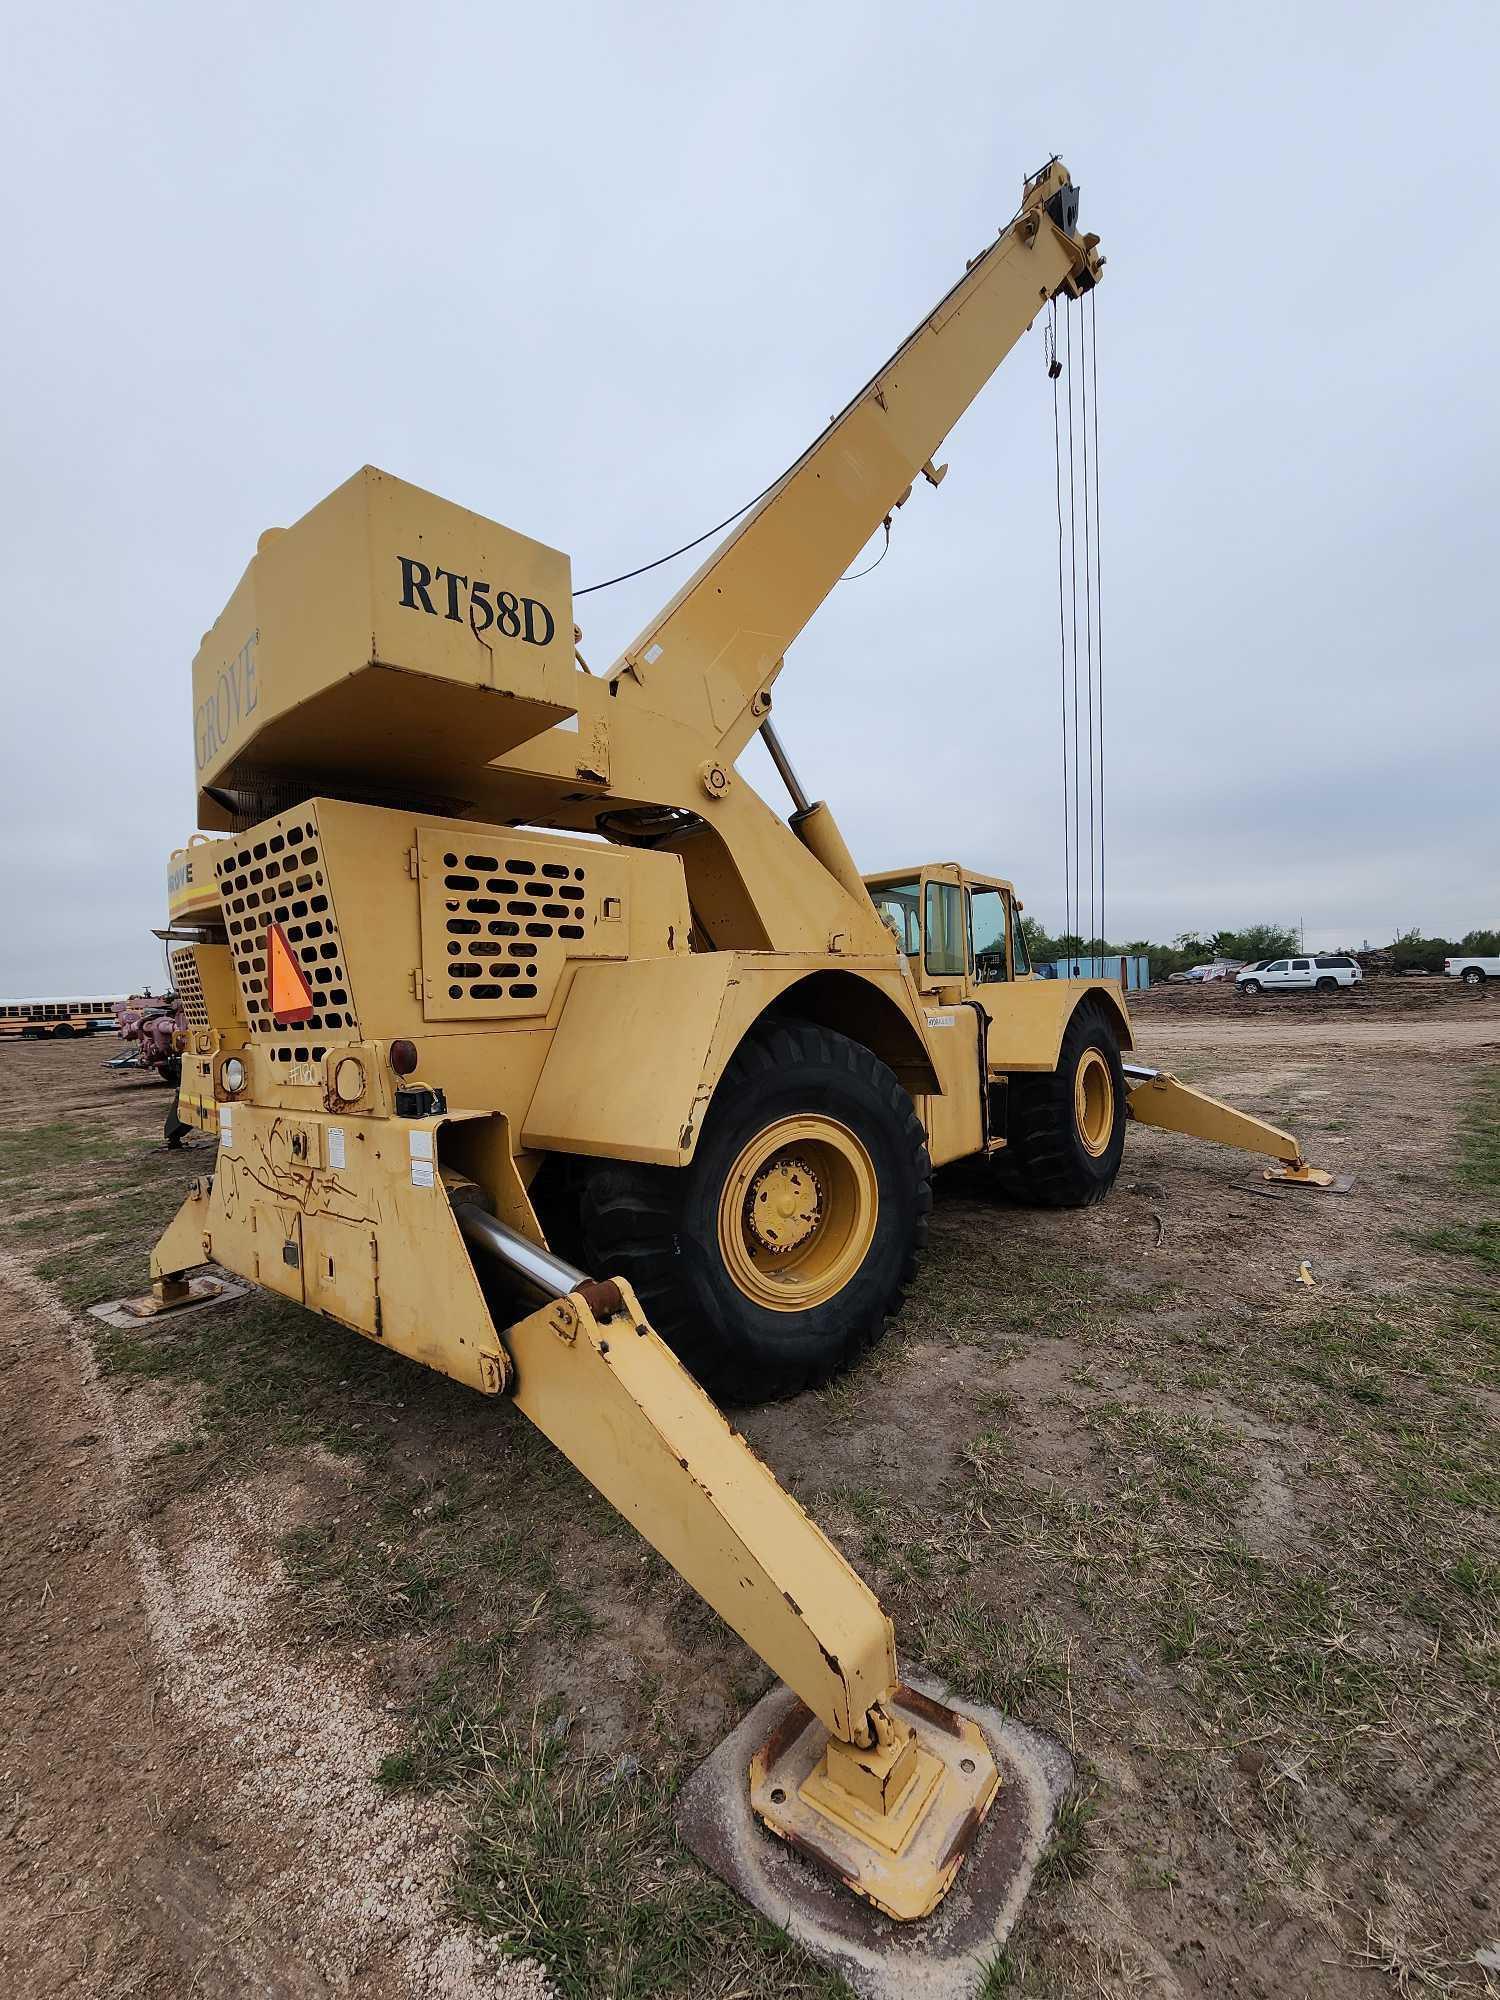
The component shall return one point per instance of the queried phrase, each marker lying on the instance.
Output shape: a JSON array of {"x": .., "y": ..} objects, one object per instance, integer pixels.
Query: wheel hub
[
  {"x": 798, "y": 1212},
  {"x": 785, "y": 1205},
  {"x": 1094, "y": 1102}
]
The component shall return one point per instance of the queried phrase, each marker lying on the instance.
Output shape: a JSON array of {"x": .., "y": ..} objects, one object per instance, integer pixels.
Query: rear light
[
  {"x": 403, "y": 1057},
  {"x": 232, "y": 1075}
]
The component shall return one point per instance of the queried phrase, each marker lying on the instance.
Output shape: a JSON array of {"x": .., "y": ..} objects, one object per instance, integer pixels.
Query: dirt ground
[{"x": 324, "y": 1676}]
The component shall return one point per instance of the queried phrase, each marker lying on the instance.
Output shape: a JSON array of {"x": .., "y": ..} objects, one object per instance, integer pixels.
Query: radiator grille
[
  {"x": 498, "y": 925},
  {"x": 278, "y": 877},
  {"x": 189, "y": 987}
]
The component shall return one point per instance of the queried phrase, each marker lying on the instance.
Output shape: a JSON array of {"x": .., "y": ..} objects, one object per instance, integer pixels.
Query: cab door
[
  {"x": 1301, "y": 973},
  {"x": 955, "y": 1121}
]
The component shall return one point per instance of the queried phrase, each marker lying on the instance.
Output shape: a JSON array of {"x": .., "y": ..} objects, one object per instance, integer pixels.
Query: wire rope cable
[
  {"x": 1098, "y": 599},
  {"x": 1088, "y": 613},
  {"x": 1054, "y": 369},
  {"x": 1073, "y": 571}
]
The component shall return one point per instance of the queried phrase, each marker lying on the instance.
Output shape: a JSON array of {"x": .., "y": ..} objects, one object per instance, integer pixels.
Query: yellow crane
[{"x": 542, "y": 1049}]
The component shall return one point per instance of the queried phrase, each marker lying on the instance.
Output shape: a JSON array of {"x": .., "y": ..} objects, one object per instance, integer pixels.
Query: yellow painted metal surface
[
  {"x": 347, "y": 1216},
  {"x": 505, "y": 914},
  {"x": 955, "y": 1116},
  {"x": 192, "y": 886},
  {"x": 798, "y": 1212},
  {"x": 614, "y": 1084},
  {"x": 566, "y": 995},
  {"x": 373, "y": 637},
  {"x": 617, "y": 1401},
  {"x": 726, "y": 630},
  {"x": 630, "y": 1069},
  {"x": 1028, "y": 1018},
  {"x": 1177, "y": 1107},
  {"x": 894, "y": 1823}
]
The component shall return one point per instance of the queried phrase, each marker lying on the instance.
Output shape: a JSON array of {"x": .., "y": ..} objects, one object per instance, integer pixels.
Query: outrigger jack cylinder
[{"x": 880, "y": 1784}]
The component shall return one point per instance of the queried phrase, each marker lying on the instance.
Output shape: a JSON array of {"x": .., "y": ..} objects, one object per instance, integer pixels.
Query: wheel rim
[
  {"x": 797, "y": 1213},
  {"x": 1094, "y": 1102}
]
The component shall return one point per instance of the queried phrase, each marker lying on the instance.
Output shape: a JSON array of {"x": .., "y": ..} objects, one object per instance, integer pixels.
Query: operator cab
[{"x": 957, "y": 929}]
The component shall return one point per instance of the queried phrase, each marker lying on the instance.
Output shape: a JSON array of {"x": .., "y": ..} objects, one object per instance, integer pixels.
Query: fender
[
  {"x": 641, "y": 1044},
  {"x": 1029, "y": 1018}
]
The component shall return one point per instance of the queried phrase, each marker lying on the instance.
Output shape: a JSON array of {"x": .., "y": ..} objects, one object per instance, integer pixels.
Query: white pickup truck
[{"x": 1472, "y": 971}]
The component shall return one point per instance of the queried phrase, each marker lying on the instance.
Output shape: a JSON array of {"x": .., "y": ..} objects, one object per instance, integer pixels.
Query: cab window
[
  {"x": 898, "y": 906},
  {"x": 1279, "y": 966},
  {"x": 987, "y": 934},
  {"x": 1020, "y": 957},
  {"x": 946, "y": 956}
]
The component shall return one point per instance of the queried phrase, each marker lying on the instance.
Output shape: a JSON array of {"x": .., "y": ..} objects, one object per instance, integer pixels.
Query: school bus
[{"x": 34, "y": 1020}]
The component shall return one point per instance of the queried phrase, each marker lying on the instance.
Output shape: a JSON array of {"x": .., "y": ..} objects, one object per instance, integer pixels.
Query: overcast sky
[{"x": 600, "y": 271}]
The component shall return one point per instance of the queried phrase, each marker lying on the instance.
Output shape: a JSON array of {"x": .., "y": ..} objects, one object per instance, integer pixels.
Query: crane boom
[{"x": 747, "y": 603}]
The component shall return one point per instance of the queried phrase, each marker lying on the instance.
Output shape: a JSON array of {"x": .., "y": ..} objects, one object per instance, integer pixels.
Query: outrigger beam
[
  {"x": 883, "y": 1786},
  {"x": 1158, "y": 1098}
]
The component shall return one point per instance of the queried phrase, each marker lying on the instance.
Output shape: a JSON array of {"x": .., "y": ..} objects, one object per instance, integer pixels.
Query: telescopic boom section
[{"x": 756, "y": 592}]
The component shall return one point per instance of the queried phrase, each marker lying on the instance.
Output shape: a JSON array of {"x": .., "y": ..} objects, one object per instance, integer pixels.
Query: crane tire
[
  {"x": 1066, "y": 1131},
  {"x": 803, "y": 1119}
]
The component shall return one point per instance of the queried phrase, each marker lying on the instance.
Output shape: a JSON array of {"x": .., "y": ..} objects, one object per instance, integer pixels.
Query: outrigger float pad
[
  {"x": 1316, "y": 1178},
  {"x": 942, "y": 1956},
  {"x": 210, "y": 1287}
]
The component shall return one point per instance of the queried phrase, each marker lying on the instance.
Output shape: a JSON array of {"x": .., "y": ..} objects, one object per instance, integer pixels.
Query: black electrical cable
[
  {"x": 707, "y": 535},
  {"x": 855, "y": 575},
  {"x": 730, "y": 519}
]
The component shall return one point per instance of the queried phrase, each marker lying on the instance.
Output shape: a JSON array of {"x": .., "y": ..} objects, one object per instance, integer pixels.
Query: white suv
[{"x": 1325, "y": 974}]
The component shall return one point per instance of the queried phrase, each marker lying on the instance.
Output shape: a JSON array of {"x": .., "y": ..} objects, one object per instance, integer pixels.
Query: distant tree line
[{"x": 1410, "y": 952}]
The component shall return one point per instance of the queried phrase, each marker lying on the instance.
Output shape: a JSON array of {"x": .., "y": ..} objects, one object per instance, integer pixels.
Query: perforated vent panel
[
  {"x": 189, "y": 987},
  {"x": 499, "y": 921},
  {"x": 277, "y": 876}
]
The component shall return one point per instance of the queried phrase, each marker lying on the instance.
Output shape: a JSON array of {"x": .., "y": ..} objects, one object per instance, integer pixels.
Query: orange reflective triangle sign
[{"x": 291, "y": 996}]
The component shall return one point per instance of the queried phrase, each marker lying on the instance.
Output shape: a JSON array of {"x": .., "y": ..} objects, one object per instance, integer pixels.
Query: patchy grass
[
  {"x": 1479, "y": 1138},
  {"x": 1480, "y": 1240},
  {"x": 571, "y": 1859},
  {"x": 1069, "y": 1849},
  {"x": 1001, "y": 1662},
  {"x": 1234, "y": 1542}
]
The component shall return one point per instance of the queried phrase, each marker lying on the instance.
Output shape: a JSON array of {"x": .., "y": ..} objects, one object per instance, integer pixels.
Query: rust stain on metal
[
  {"x": 810, "y": 1851},
  {"x": 603, "y": 1298},
  {"x": 959, "y": 1845},
  {"x": 929, "y": 1710},
  {"x": 785, "y": 1734}
]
